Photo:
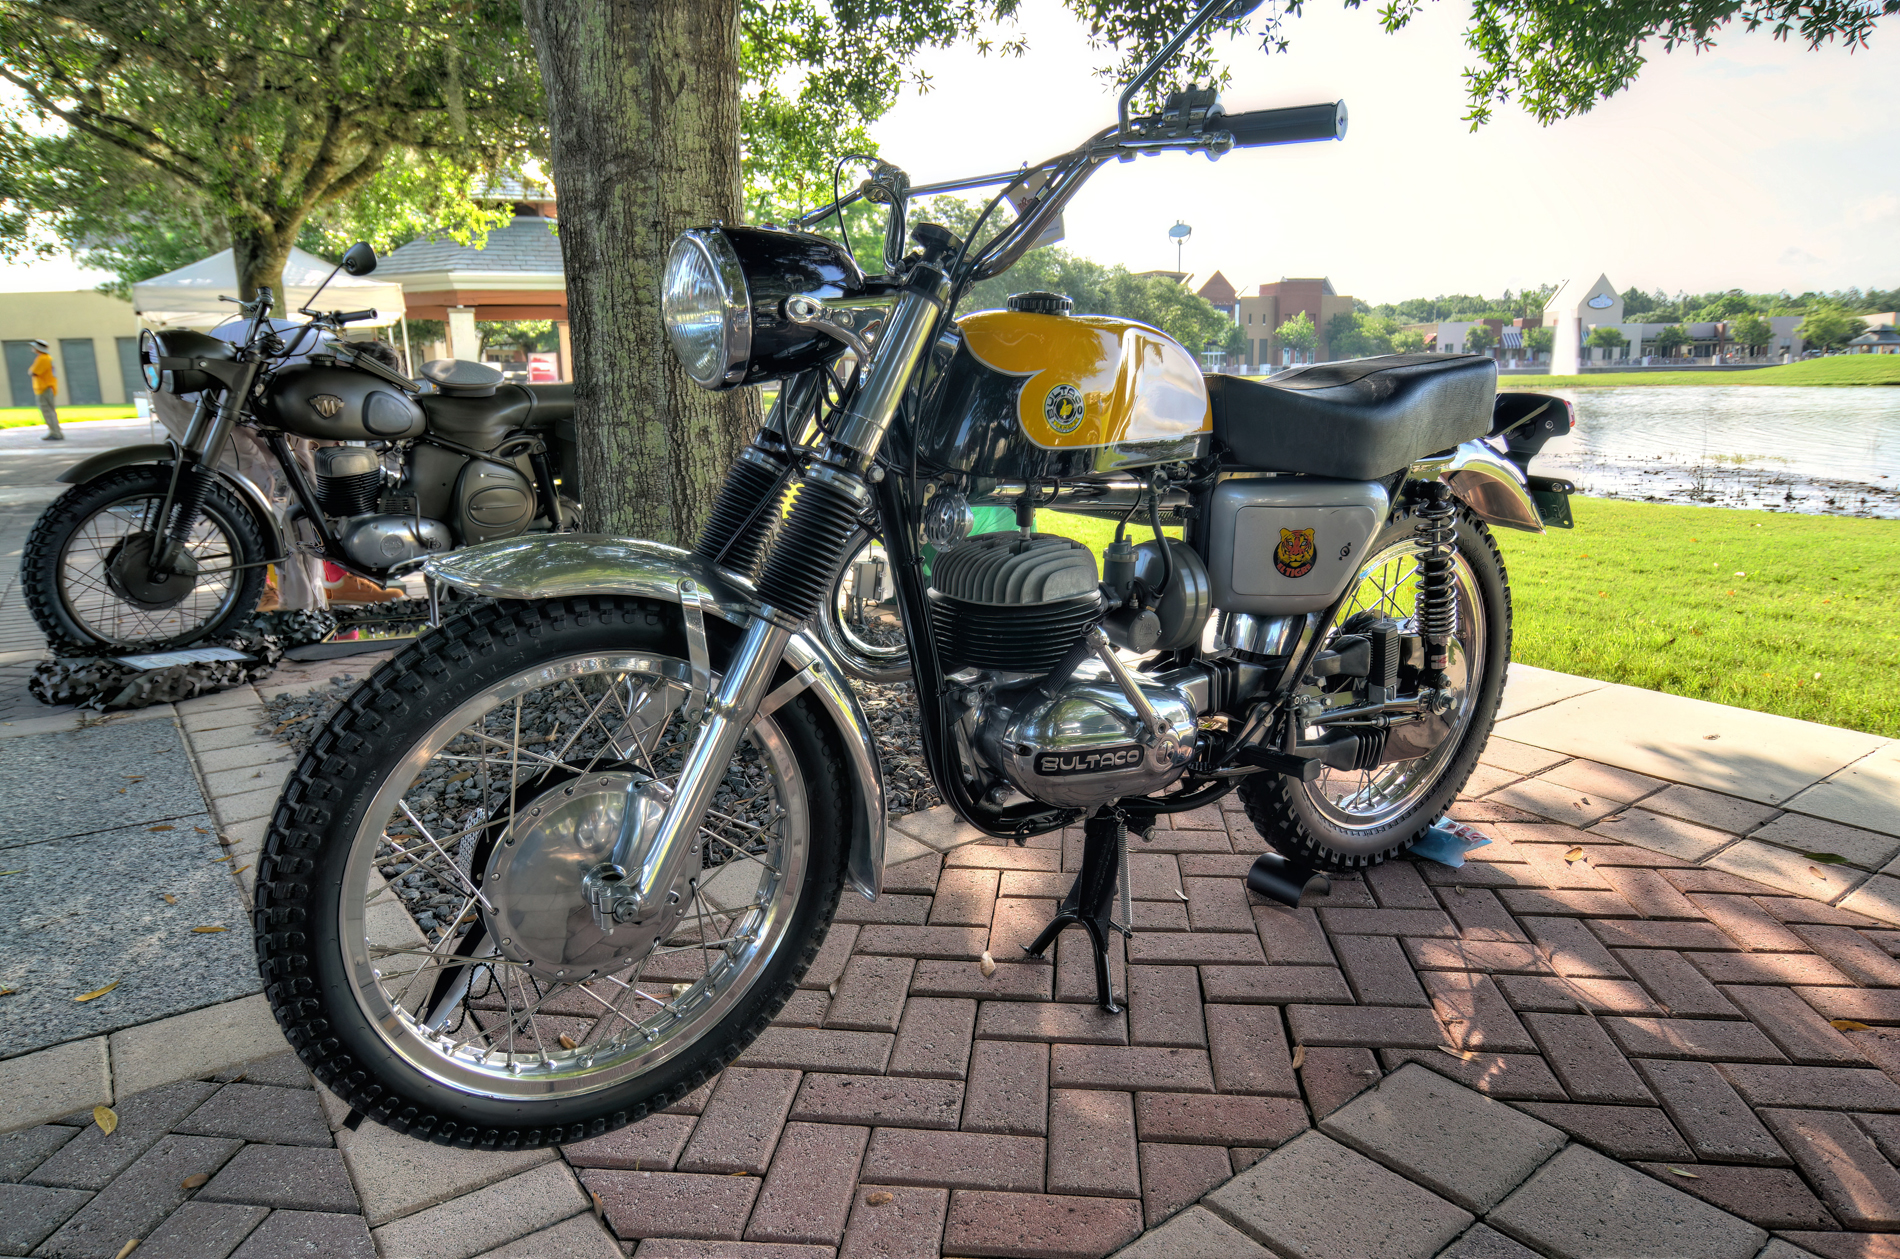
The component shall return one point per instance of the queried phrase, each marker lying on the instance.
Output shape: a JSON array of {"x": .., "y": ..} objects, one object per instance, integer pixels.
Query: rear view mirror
[{"x": 360, "y": 260}]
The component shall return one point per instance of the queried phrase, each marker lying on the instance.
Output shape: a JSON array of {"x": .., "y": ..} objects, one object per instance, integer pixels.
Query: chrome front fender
[
  {"x": 555, "y": 567},
  {"x": 1492, "y": 487}
]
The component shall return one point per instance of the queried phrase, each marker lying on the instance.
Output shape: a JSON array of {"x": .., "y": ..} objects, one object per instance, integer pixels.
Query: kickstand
[{"x": 1090, "y": 903}]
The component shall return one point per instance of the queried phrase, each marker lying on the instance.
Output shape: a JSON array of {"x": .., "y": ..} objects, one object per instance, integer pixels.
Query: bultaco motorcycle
[{"x": 564, "y": 858}]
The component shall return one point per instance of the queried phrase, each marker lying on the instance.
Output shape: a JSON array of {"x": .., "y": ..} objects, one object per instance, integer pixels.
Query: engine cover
[
  {"x": 1088, "y": 746},
  {"x": 383, "y": 541}
]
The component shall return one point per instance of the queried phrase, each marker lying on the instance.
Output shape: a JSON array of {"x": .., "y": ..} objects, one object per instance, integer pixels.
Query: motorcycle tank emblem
[
  {"x": 1295, "y": 555},
  {"x": 1057, "y": 765},
  {"x": 326, "y": 405},
  {"x": 1062, "y": 408}
]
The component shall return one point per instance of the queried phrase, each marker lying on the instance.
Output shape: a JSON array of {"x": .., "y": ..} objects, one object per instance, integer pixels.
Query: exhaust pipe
[{"x": 1278, "y": 879}]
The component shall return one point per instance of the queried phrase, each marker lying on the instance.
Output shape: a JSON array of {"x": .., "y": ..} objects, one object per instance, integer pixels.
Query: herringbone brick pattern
[{"x": 1728, "y": 1037}]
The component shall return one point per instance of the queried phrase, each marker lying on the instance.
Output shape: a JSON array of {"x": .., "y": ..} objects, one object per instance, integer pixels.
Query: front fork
[{"x": 635, "y": 887}]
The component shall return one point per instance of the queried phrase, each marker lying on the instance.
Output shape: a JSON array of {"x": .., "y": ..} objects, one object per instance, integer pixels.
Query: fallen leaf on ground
[
  {"x": 1183, "y": 895},
  {"x": 127, "y": 1249},
  {"x": 98, "y": 992},
  {"x": 1574, "y": 855},
  {"x": 1680, "y": 1172},
  {"x": 567, "y": 1042},
  {"x": 161, "y": 828},
  {"x": 192, "y": 1182},
  {"x": 1465, "y": 1054},
  {"x": 205, "y": 931},
  {"x": 600, "y": 1212},
  {"x": 880, "y": 1198},
  {"x": 226, "y": 857},
  {"x": 986, "y": 964},
  {"x": 12, "y": 872},
  {"x": 106, "y": 1117},
  {"x": 201, "y": 830},
  {"x": 1826, "y": 858},
  {"x": 1299, "y": 1056},
  {"x": 1816, "y": 872},
  {"x": 1460, "y": 889},
  {"x": 170, "y": 899},
  {"x": 831, "y": 990},
  {"x": 7, "y": 992},
  {"x": 241, "y": 869},
  {"x": 1848, "y": 1025}
]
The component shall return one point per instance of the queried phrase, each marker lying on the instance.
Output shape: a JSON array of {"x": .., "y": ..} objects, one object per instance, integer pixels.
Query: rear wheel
[
  {"x": 421, "y": 926},
  {"x": 1348, "y": 819},
  {"x": 861, "y": 622},
  {"x": 88, "y": 582}
]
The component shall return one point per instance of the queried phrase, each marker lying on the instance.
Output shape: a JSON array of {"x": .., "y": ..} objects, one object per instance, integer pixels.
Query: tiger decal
[{"x": 1295, "y": 555}]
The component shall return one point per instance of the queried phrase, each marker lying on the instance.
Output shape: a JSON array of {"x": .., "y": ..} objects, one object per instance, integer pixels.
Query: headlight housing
[
  {"x": 722, "y": 298},
  {"x": 169, "y": 360},
  {"x": 707, "y": 308}
]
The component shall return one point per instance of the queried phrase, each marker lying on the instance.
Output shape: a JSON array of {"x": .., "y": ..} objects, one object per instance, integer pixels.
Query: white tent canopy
[{"x": 188, "y": 297}]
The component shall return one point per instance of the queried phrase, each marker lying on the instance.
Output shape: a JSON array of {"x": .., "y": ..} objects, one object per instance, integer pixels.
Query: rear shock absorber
[
  {"x": 742, "y": 519},
  {"x": 1437, "y": 608}
]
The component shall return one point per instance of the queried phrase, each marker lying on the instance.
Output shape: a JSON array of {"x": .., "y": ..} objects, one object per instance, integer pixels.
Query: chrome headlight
[{"x": 707, "y": 308}]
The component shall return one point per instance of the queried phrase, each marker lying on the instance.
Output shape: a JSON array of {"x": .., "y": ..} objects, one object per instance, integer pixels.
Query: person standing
[{"x": 46, "y": 390}]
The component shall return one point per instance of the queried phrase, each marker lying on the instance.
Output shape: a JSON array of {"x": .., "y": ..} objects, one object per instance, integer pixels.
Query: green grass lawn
[
  {"x": 1738, "y": 607},
  {"x": 1649, "y": 595},
  {"x": 1842, "y": 369},
  {"x": 27, "y": 417}
]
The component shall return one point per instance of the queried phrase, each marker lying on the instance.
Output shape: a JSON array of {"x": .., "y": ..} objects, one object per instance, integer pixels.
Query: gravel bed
[{"x": 891, "y": 710}]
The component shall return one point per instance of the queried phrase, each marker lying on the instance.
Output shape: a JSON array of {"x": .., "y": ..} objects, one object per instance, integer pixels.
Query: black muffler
[{"x": 1276, "y": 878}]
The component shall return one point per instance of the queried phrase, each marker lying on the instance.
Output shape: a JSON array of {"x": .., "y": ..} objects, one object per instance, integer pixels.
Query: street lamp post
[{"x": 1179, "y": 234}]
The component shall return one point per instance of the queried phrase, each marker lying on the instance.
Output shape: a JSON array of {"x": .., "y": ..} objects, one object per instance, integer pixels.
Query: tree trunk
[
  {"x": 643, "y": 112},
  {"x": 260, "y": 255}
]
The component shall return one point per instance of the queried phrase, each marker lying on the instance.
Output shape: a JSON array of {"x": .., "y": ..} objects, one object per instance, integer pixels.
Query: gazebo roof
[{"x": 526, "y": 246}]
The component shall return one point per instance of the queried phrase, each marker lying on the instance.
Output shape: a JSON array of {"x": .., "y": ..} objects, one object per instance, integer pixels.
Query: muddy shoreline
[{"x": 1660, "y": 480}]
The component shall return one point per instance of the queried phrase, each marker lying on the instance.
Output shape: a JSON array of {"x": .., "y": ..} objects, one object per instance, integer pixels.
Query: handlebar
[
  {"x": 353, "y": 316},
  {"x": 1294, "y": 125}
]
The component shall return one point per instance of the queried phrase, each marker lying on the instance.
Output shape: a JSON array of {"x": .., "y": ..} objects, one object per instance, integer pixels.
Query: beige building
[{"x": 93, "y": 338}]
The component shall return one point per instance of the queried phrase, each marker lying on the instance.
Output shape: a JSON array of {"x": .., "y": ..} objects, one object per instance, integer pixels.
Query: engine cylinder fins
[
  {"x": 1006, "y": 568},
  {"x": 349, "y": 479},
  {"x": 808, "y": 549},
  {"x": 1011, "y": 637},
  {"x": 741, "y": 520}
]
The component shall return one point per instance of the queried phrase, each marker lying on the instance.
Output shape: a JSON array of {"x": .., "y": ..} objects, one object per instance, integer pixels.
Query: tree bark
[
  {"x": 260, "y": 255},
  {"x": 643, "y": 113}
]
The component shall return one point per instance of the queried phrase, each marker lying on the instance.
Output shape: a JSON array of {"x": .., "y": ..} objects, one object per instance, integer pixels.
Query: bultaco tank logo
[
  {"x": 1063, "y": 408},
  {"x": 1295, "y": 555}
]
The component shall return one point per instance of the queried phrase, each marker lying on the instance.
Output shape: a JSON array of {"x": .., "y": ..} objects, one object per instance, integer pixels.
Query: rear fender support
[
  {"x": 555, "y": 567},
  {"x": 1492, "y": 487}
]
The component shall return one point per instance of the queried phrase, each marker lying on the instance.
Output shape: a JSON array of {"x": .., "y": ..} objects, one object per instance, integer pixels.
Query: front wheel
[
  {"x": 423, "y": 933},
  {"x": 88, "y": 578},
  {"x": 1349, "y": 819}
]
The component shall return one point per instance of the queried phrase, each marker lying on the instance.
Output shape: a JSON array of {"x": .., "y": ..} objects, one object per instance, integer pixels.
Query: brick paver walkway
[
  {"x": 1665, "y": 1014},
  {"x": 1550, "y": 1032}
]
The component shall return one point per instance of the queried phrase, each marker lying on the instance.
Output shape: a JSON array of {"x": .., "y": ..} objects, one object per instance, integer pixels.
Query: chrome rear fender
[
  {"x": 555, "y": 567},
  {"x": 1486, "y": 482}
]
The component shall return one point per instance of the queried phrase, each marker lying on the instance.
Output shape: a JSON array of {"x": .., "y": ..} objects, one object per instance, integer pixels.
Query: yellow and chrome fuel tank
[{"x": 1028, "y": 395}]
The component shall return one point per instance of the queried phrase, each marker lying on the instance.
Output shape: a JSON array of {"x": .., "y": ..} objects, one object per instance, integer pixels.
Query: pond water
[{"x": 1817, "y": 450}]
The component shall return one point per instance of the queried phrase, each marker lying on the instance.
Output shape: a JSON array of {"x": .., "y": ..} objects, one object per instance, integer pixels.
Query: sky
[{"x": 1759, "y": 165}]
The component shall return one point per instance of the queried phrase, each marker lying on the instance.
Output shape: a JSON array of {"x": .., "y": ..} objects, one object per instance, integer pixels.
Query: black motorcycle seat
[
  {"x": 484, "y": 422},
  {"x": 1356, "y": 419}
]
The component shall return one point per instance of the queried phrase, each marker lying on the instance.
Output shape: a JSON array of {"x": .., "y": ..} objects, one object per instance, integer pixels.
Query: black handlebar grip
[
  {"x": 1294, "y": 125},
  {"x": 354, "y": 316}
]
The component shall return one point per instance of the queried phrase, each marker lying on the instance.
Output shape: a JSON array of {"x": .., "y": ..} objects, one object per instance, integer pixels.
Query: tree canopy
[
  {"x": 1607, "y": 336},
  {"x": 1830, "y": 327},
  {"x": 163, "y": 126},
  {"x": 1751, "y": 330},
  {"x": 1297, "y": 332},
  {"x": 1479, "y": 339}
]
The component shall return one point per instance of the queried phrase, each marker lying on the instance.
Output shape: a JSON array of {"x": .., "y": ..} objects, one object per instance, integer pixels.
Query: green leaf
[{"x": 1826, "y": 858}]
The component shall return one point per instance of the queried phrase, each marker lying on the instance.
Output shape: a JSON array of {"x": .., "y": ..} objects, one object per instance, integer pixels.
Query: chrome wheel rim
[
  {"x": 1365, "y": 800},
  {"x": 865, "y": 628},
  {"x": 488, "y": 1022},
  {"x": 108, "y": 617}
]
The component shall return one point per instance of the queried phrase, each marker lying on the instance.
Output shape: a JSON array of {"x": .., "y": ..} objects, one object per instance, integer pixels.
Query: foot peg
[{"x": 1278, "y": 879}]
